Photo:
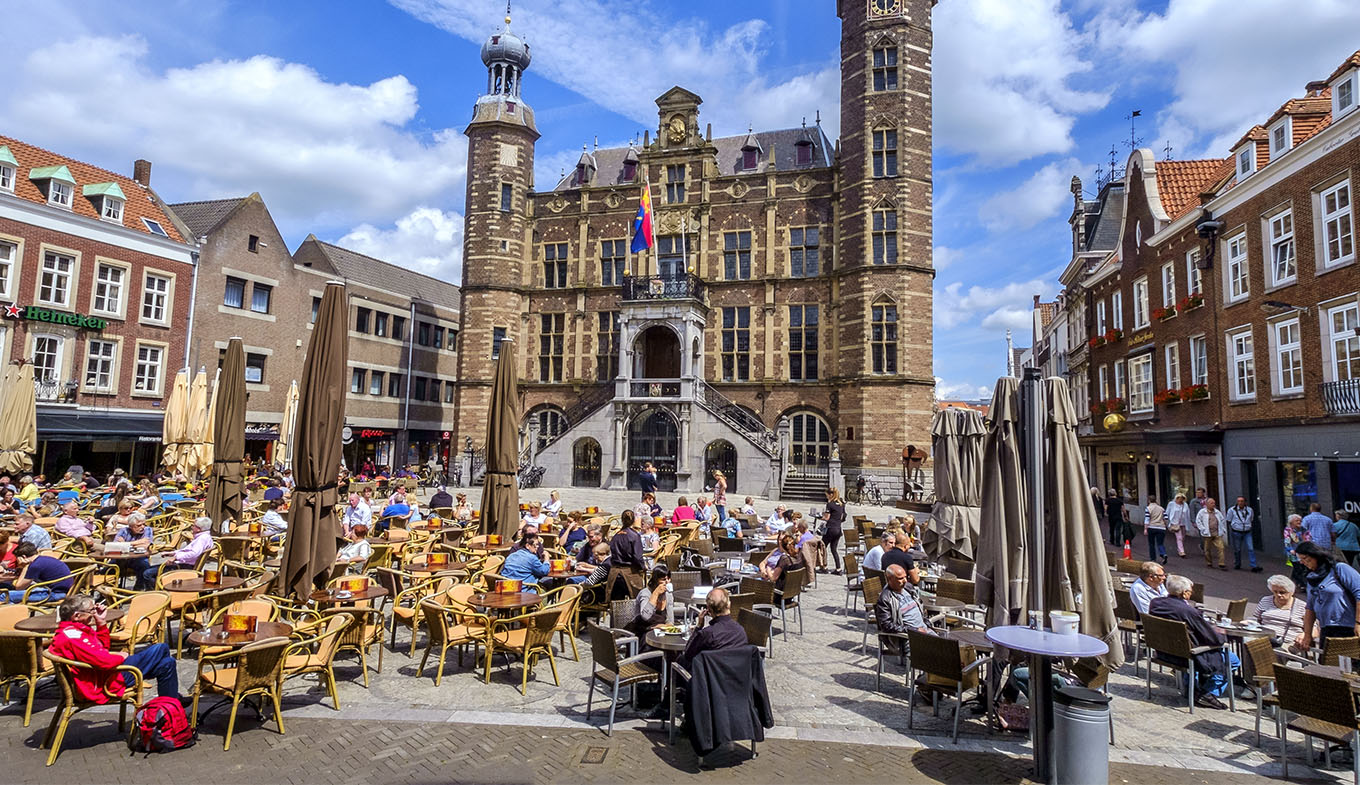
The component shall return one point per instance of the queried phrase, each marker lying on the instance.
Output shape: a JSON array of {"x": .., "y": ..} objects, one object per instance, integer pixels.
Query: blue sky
[{"x": 347, "y": 117}]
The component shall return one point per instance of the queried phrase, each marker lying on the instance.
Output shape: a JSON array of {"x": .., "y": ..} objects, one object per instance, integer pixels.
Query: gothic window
[
  {"x": 885, "y": 152},
  {"x": 551, "y": 339},
  {"x": 885, "y": 68},
  {"x": 554, "y": 265},
  {"x": 737, "y": 256},
  {"x": 736, "y": 344},
  {"x": 803, "y": 343},
  {"x": 885, "y": 234}
]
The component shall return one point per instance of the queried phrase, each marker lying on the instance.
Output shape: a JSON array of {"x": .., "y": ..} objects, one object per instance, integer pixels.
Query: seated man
[
  {"x": 273, "y": 524},
  {"x": 776, "y": 522},
  {"x": 1211, "y": 670},
  {"x": 38, "y": 569},
  {"x": 897, "y": 611},
  {"x": 898, "y": 556},
  {"x": 26, "y": 526},
  {"x": 873, "y": 560},
  {"x": 594, "y": 536},
  {"x": 525, "y": 564},
  {"x": 1150, "y": 585},
  {"x": 186, "y": 558},
  {"x": 83, "y": 635},
  {"x": 138, "y": 534},
  {"x": 72, "y": 525},
  {"x": 722, "y": 631}
]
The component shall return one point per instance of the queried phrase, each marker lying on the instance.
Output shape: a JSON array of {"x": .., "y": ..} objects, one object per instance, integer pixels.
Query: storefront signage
[
  {"x": 372, "y": 433},
  {"x": 33, "y": 313},
  {"x": 1142, "y": 337}
]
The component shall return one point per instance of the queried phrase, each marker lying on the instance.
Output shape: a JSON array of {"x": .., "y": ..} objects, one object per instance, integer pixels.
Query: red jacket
[{"x": 79, "y": 642}]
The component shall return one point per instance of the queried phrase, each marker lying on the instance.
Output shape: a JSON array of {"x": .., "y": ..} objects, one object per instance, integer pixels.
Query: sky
[{"x": 347, "y": 117}]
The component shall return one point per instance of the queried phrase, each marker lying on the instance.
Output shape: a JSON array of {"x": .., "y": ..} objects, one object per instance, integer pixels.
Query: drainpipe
[{"x": 193, "y": 299}]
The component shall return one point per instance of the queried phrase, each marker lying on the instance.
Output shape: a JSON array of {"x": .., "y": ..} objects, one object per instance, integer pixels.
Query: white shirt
[
  {"x": 361, "y": 550},
  {"x": 359, "y": 514},
  {"x": 1202, "y": 522},
  {"x": 552, "y": 507},
  {"x": 536, "y": 520},
  {"x": 874, "y": 558},
  {"x": 274, "y": 522}
]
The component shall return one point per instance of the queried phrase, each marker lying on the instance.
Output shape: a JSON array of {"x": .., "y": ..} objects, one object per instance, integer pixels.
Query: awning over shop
[
  {"x": 261, "y": 432},
  {"x": 87, "y": 426}
]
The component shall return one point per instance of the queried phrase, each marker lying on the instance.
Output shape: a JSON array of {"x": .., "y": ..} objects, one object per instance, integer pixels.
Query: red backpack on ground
[{"x": 161, "y": 726}]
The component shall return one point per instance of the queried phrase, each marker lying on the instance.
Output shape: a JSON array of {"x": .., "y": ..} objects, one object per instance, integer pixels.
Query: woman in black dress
[{"x": 835, "y": 518}]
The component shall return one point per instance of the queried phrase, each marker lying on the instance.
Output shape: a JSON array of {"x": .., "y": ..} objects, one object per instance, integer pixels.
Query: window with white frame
[
  {"x": 1288, "y": 357},
  {"x": 1172, "y": 355},
  {"x": 47, "y": 364},
  {"x": 146, "y": 377},
  {"x": 1236, "y": 269},
  {"x": 9, "y": 255},
  {"x": 1338, "y": 243},
  {"x": 1343, "y": 96},
  {"x": 1345, "y": 344},
  {"x": 1140, "y": 303},
  {"x": 6, "y": 177},
  {"x": 59, "y": 193},
  {"x": 1246, "y": 160},
  {"x": 1120, "y": 391},
  {"x": 1168, "y": 285},
  {"x": 1194, "y": 283},
  {"x": 1283, "y": 266},
  {"x": 1104, "y": 382},
  {"x": 1082, "y": 392},
  {"x": 1280, "y": 137},
  {"x": 1140, "y": 384},
  {"x": 99, "y": 359},
  {"x": 1117, "y": 310},
  {"x": 1100, "y": 317},
  {"x": 155, "y": 298},
  {"x": 112, "y": 209},
  {"x": 1199, "y": 360},
  {"x": 109, "y": 288},
  {"x": 54, "y": 281},
  {"x": 1241, "y": 365}
]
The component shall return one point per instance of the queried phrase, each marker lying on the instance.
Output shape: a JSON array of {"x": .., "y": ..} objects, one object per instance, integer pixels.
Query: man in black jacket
[
  {"x": 1211, "y": 668},
  {"x": 722, "y": 632}
]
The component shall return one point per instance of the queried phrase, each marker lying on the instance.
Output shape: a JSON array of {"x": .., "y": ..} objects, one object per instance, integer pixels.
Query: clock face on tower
[
  {"x": 677, "y": 129},
  {"x": 885, "y": 7}
]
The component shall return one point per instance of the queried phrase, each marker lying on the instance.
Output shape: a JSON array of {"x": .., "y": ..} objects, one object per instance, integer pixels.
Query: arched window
[
  {"x": 551, "y": 424},
  {"x": 811, "y": 442}
]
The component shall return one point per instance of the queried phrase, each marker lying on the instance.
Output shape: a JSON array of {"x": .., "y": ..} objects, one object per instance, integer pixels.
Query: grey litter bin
[{"x": 1081, "y": 754}]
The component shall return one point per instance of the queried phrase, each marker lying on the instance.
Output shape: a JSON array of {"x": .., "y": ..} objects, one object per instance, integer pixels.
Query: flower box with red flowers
[
  {"x": 1195, "y": 392},
  {"x": 1190, "y": 301},
  {"x": 1098, "y": 408},
  {"x": 1114, "y": 405},
  {"x": 1095, "y": 341},
  {"x": 1113, "y": 335},
  {"x": 1161, "y": 314},
  {"x": 1165, "y": 397}
]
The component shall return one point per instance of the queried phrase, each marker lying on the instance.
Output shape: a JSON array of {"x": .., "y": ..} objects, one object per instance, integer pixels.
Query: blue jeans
[
  {"x": 1156, "y": 543},
  {"x": 1236, "y": 540},
  {"x": 37, "y": 595},
  {"x": 1216, "y": 684},
  {"x": 156, "y": 662}
]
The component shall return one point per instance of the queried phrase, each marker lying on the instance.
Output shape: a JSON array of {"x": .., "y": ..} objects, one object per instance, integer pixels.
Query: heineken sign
[{"x": 33, "y": 313}]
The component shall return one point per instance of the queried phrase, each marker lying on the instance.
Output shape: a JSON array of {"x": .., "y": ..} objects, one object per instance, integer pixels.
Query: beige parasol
[
  {"x": 19, "y": 428},
  {"x": 197, "y": 431},
  {"x": 176, "y": 424},
  {"x": 284, "y": 446}
]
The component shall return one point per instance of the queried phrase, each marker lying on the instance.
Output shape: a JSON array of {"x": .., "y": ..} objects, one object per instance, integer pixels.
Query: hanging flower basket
[
  {"x": 1195, "y": 392},
  {"x": 1190, "y": 301}
]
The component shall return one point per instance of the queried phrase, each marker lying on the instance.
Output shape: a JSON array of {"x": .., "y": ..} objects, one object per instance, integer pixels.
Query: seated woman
[
  {"x": 554, "y": 504},
  {"x": 8, "y": 504},
  {"x": 357, "y": 552},
  {"x": 651, "y": 602},
  {"x": 574, "y": 533},
  {"x": 682, "y": 511},
  {"x": 150, "y": 498},
  {"x": 1279, "y": 611},
  {"x": 525, "y": 562},
  {"x": 785, "y": 559},
  {"x": 651, "y": 540},
  {"x": 534, "y": 516},
  {"x": 595, "y": 569},
  {"x": 462, "y": 511},
  {"x": 647, "y": 508},
  {"x": 8, "y": 542}
]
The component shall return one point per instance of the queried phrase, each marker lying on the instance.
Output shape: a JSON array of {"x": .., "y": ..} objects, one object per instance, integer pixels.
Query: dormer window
[
  {"x": 56, "y": 182},
  {"x": 802, "y": 153},
  {"x": 629, "y": 171},
  {"x": 8, "y": 166},
  {"x": 749, "y": 159},
  {"x": 59, "y": 194},
  {"x": 113, "y": 210},
  {"x": 581, "y": 176},
  {"x": 1343, "y": 95},
  {"x": 1246, "y": 161},
  {"x": 750, "y": 152},
  {"x": 1280, "y": 137},
  {"x": 108, "y": 200}
]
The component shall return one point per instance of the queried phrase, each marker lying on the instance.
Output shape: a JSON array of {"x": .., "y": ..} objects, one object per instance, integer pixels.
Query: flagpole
[
  {"x": 684, "y": 247},
  {"x": 651, "y": 224}
]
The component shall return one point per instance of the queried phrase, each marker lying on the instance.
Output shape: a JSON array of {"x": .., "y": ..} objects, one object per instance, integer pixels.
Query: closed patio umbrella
[
  {"x": 500, "y": 491},
  {"x": 1002, "y": 569},
  {"x": 229, "y": 430},
  {"x": 176, "y": 421},
  {"x": 206, "y": 453},
  {"x": 197, "y": 432},
  {"x": 19, "y": 426},
  {"x": 284, "y": 446},
  {"x": 956, "y": 441},
  {"x": 313, "y": 525}
]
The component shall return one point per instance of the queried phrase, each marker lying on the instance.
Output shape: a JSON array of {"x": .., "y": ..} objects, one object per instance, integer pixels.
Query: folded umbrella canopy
[
  {"x": 229, "y": 429},
  {"x": 500, "y": 490},
  {"x": 283, "y": 448},
  {"x": 207, "y": 450},
  {"x": 956, "y": 440},
  {"x": 1002, "y": 571},
  {"x": 176, "y": 421},
  {"x": 18, "y": 419},
  {"x": 197, "y": 431},
  {"x": 313, "y": 525}
]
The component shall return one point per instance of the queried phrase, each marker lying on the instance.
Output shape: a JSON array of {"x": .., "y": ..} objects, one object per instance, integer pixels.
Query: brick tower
[
  {"x": 886, "y": 392},
  {"x": 500, "y": 170}
]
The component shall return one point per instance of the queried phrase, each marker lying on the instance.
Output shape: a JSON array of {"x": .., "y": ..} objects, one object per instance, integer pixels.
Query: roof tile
[{"x": 1180, "y": 183}]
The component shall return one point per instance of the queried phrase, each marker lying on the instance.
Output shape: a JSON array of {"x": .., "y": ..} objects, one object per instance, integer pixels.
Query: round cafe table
[
  {"x": 1043, "y": 646},
  {"x": 327, "y": 596},
  {"x": 450, "y": 566},
  {"x": 502, "y": 603},
  {"x": 46, "y": 623},
  {"x": 216, "y": 635},
  {"x": 942, "y": 604},
  {"x": 200, "y": 586},
  {"x": 671, "y": 644}
]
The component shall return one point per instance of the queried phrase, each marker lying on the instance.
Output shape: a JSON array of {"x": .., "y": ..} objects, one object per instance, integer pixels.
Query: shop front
[
  {"x": 261, "y": 439},
  {"x": 1156, "y": 465},
  {"x": 99, "y": 442},
  {"x": 426, "y": 445},
  {"x": 370, "y": 447}
]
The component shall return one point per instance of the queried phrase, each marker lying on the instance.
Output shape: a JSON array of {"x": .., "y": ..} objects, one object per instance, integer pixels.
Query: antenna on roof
[
  {"x": 507, "y": 13},
  {"x": 805, "y": 121},
  {"x": 1166, "y": 151}
]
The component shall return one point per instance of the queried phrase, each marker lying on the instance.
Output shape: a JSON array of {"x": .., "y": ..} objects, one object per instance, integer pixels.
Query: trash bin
[{"x": 1081, "y": 736}]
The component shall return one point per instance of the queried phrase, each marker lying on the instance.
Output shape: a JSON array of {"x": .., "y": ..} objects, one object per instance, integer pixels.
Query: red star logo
[{"x": 13, "y": 311}]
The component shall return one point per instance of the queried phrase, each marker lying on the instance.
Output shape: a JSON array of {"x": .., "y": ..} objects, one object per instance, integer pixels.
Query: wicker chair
[
  {"x": 614, "y": 673},
  {"x": 1129, "y": 624},
  {"x": 406, "y": 607},
  {"x": 144, "y": 622},
  {"x": 21, "y": 660},
  {"x": 1263, "y": 660},
  {"x": 963, "y": 568},
  {"x": 565, "y": 599},
  {"x": 317, "y": 654},
  {"x": 950, "y": 668},
  {"x": 255, "y": 669},
  {"x": 1237, "y": 609},
  {"x": 531, "y": 638},
  {"x": 758, "y": 628},
  {"x": 367, "y": 630},
  {"x": 79, "y": 581},
  {"x": 1167, "y": 638},
  {"x": 870, "y": 588},
  {"x": 1336, "y": 648},
  {"x": 443, "y": 633},
  {"x": 72, "y": 702},
  {"x": 853, "y": 581},
  {"x": 1325, "y": 709}
]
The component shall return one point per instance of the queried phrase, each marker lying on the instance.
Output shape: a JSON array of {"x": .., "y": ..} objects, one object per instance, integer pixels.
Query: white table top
[{"x": 1047, "y": 643}]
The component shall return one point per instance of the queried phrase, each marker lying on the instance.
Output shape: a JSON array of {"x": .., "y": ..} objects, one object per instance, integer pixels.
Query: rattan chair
[
  {"x": 1129, "y": 624},
  {"x": 367, "y": 630},
  {"x": 254, "y": 669},
  {"x": 758, "y": 628},
  {"x": 614, "y": 673},
  {"x": 316, "y": 654},
  {"x": 79, "y": 579},
  {"x": 72, "y": 702},
  {"x": 406, "y": 607},
  {"x": 963, "y": 568},
  {"x": 443, "y": 633},
  {"x": 11, "y": 615},
  {"x": 1168, "y": 645},
  {"x": 1237, "y": 609},
  {"x": 884, "y": 651},
  {"x": 565, "y": 599},
  {"x": 21, "y": 660},
  {"x": 1335, "y": 648},
  {"x": 853, "y": 583},
  {"x": 529, "y": 635},
  {"x": 950, "y": 669},
  {"x": 789, "y": 598},
  {"x": 1325, "y": 709},
  {"x": 144, "y": 622},
  {"x": 870, "y": 588},
  {"x": 1263, "y": 660}
]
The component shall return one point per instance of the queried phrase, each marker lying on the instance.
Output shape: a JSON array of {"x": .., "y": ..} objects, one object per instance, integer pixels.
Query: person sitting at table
[
  {"x": 1279, "y": 612},
  {"x": 8, "y": 562},
  {"x": 357, "y": 551},
  {"x": 357, "y": 513},
  {"x": 594, "y": 536},
  {"x": 26, "y": 526},
  {"x": 811, "y": 546},
  {"x": 138, "y": 534},
  {"x": 8, "y": 504},
  {"x": 522, "y": 541},
  {"x": 594, "y": 570},
  {"x": 462, "y": 511},
  {"x": 526, "y": 562},
  {"x": 83, "y": 635},
  {"x": 32, "y": 569},
  {"x": 651, "y": 601},
  {"x": 897, "y": 611},
  {"x": 873, "y": 560},
  {"x": 776, "y": 523},
  {"x": 273, "y": 524},
  {"x": 682, "y": 511},
  {"x": 186, "y": 558},
  {"x": 534, "y": 517},
  {"x": 643, "y": 509},
  {"x": 651, "y": 540},
  {"x": 627, "y": 563},
  {"x": 119, "y": 519},
  {"x": 273, "y": 491},
  {"x": 703, "y": 511},
  {"x": 46, "y": 506},
  {"x": 784, "y": 560},
  {"x": 1333, "y": 596},
  {"x": 721, "y": 631},
  {"x": 1212, "y": 670},
  {"x": 28, "y": 490},
  {"x": 441, "y": 498},
  {"x": 397, "y": 509},
  {"x": 553, "y": 506},
  {"x": 748, "y": 507},
  {"x": 574, "y": 532},
  {"x": 1150, "y": 585},
  {"x": 72, "y": 525},
  {"x": 899, "y": 556}
]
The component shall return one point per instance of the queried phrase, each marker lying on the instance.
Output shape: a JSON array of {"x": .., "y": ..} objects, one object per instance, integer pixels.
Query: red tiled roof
[
  {"x": 1046, "y": 311},
  {"x": 140, "y": 202},
  {"x": 1257, "y": 133},
  {"x": 1351, "y": 62},
  {"x": 1180, "y": 183},
  {"x": 977, "y": 407}
]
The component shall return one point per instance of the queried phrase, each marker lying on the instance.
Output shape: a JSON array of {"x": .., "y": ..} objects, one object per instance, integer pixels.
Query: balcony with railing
[
  {"x": 678, "y": 287},
  {"x": 1342, "y": 397},
  {"x": 54, "y": 390},
  {"x": 641, "y": 390}
]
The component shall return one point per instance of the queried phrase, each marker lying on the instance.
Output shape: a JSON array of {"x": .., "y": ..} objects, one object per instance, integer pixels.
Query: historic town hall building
[{"x": 781, "y": 323}]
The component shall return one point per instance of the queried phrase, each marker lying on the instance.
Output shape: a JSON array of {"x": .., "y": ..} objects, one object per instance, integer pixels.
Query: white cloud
[
  {"x": 1044, "y": 195},
  {"x": 318, "y": 151},
  {"x": 1235, "y": 61},
  {"x": 961, "y": 391},
  {"x": 636, "y": 51},
  {"x": 942, "y": 257},
  {"x": 992, "y": 307},
  {"x": 1003, "y": 71},
  {"x": 427, "y": 240}
]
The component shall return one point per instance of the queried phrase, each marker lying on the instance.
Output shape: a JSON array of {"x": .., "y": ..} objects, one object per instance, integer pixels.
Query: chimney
[
  {"x": 1315, "y": 89},
  {"x": 1036, "y": 301},
  {"x": 141, "y": 172}
]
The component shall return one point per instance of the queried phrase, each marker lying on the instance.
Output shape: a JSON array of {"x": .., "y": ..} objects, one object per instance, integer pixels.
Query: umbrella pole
[{"x": 1032, "y": 412}]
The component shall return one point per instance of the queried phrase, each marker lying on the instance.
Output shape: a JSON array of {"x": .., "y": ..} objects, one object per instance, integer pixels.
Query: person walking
[
  {"x": 1117, "y": 516},
  {"x": 1196, "y": 506},
  {"x": 647, "y": 479},
  {"x": 835, "y": 518},
  {"x": 1177, "y": 519},
  {"x": 1346, "y": 535},
  {"x": 1240, "y": 519},
  {"x": 1333, "y": 596},
  {"x": 1154, "y": 528},
  {"x": 1210, "y": 524},
  {"x": 1319, "y": 527},
  {"x": 720, "y": 495}
]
